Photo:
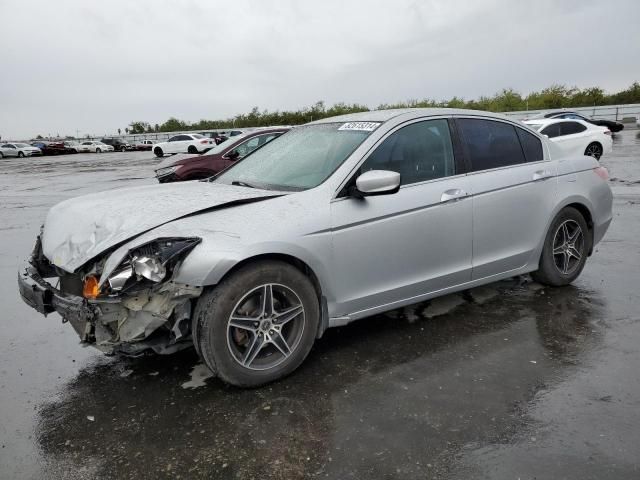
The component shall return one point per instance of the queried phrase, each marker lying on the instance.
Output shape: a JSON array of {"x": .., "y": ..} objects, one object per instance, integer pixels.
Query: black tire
[
  {"x": 594, "y": 150},
  {"x": 98, "y": 150},
  {"x": 192, "y": 149},
  {"x": 1, "y": 155},
  {"x": 158, "y": 152},
  {"x": 20, "y": 154},
  {"x": 217, "y": 340},
  {"x": 551, "y": 270}
]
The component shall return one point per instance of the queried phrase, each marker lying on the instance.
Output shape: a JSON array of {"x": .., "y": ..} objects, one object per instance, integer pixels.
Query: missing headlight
[
  {"x": 150, "y": 268},
  {"x": 151, "y": 261}
]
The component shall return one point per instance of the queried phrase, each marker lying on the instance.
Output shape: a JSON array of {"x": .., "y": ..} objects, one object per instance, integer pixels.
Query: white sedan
[
  {"x": 97, "y": 147},
  {"x": 18, "y": 150},
  {"x": 575, "y": 137},
  {"x": 184, "y": 143}
]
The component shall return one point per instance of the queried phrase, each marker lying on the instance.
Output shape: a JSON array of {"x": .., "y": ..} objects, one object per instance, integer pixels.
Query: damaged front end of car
[{"x": 136, "y": 308}]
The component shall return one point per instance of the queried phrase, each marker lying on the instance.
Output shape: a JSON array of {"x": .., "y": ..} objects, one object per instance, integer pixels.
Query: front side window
[
  {"x": 490, "y": 144},
  {"x": 552, "y": 130},
  {"x": 300, "y": 159},
  {"x": 250, "y": 145},
  {"x": 418, "y": 152},
  {"x": 571, "y": 128}
]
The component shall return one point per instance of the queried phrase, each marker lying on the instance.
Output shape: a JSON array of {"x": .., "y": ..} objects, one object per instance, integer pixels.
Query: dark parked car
[
  {"x": 216, "y": 159},
  {"x": 51, "y": 148},
  {"x": 610, "y": 124},
  {"x": 117, "y": 144}
]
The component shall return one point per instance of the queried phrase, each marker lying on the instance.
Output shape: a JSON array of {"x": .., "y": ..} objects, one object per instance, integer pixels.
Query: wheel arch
[
  {"x": 300, "y": 265},
  {"x": 583, "y": 206}
]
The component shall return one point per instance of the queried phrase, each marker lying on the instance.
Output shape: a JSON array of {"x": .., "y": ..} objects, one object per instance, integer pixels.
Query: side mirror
[
  {"x": 377, "y": 182},
  {"x": 232, "y": 155}
]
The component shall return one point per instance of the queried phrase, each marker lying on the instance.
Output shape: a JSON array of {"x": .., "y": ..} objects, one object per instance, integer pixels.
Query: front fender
[{"x": 206, "y": 267}]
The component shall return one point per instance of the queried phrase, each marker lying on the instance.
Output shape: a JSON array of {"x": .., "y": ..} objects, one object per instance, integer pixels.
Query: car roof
[
  {"x": 386, "y": 115},
  {"x": 549, "y": 121}
]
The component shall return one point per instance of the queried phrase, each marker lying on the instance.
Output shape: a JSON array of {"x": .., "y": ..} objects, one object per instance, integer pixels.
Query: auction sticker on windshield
[{"x": 360, "y": 126}]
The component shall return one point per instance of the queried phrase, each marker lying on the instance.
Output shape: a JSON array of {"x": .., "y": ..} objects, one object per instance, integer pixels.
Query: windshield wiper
[{"x": 240, "y": 183}]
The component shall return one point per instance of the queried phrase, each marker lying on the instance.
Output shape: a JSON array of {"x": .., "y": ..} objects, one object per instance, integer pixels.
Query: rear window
[{"x": 490, "y": 144}]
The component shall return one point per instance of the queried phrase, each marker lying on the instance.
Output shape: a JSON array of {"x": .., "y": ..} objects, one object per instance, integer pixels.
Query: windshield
[
  {"x": 301, "y": 158},
  {"x": 21, "y": 145},
  {"x": 536, "y": 126}
]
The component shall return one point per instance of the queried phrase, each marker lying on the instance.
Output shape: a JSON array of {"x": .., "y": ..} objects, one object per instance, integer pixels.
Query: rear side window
[
  {"x": 531, "y": 146},
  {"x": 490, "y": 144},
  {"x": 418, "y": 152},
  {"x": 552, "y": 130},
  {"x": 570, "y": 128}
]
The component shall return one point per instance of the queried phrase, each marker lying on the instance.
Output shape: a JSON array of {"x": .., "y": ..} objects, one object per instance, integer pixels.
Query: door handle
[
  {"x": 542, "y": 175},
  {"x": 453, "y": 195}
]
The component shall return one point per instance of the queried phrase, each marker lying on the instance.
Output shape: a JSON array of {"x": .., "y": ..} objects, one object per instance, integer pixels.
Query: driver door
[{"x": 392, "y": 249}]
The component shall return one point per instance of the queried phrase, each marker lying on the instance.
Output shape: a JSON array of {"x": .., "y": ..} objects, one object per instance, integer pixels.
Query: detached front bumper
[{"x": 44, "y": 298}]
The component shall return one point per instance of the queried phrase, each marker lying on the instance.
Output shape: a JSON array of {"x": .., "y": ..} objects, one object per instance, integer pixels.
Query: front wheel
[
  {"x": 98, "y": 150},
  {"x": 20, "y": 154},
  {"x": 565, "y": 250},
  {"x": 594, "y": 150},
  {"x": 158, "y": 152},
  {"x": 258, "y": 325}
]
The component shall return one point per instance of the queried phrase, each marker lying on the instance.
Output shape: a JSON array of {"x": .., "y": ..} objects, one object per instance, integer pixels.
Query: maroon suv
[{"x": 217, "y": 159}]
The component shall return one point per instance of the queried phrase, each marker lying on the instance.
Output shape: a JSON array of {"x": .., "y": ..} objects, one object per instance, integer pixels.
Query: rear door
[
  {"x": 572, "y": 138},
  {"x": 177, "y": 144},
  {"x": 513, "y": 189},
  {"x": 395, "y": 247}
]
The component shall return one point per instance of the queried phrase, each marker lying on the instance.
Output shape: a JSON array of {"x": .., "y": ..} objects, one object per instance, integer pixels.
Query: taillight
[
  {"x": 204, "y": 141},
  {"x": 607, "y": 132},
  {"x": 602, "y": 173}
]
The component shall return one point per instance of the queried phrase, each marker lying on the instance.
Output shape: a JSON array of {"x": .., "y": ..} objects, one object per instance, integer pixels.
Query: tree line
[{"x": 507, "y": 100}]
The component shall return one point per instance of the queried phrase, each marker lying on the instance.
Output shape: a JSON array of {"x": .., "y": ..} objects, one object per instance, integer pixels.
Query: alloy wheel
[
  {"x": 594, "y": 150},
  {"x": 568, "y": 247},
  {"x": 265, "y": 326}
]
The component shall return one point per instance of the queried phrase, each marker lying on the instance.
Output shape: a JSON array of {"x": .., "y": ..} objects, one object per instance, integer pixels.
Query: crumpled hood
[{"x": 77, "y": 230}]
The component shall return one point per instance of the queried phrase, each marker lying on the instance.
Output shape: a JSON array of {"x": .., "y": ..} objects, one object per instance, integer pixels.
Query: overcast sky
[{"x": 95, "y": 66}]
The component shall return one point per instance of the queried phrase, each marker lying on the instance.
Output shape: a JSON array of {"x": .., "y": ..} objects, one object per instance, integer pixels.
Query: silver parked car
[{"x": 334, "y": 221}]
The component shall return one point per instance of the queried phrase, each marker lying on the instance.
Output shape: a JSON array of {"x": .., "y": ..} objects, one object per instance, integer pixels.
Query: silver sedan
[
  {"x": 332, "y": 222},
  {"x": 18, "y": 150}
]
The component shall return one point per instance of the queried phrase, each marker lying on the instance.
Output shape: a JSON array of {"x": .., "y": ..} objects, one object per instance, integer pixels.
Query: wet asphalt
[{"x": 508, "y": 381}]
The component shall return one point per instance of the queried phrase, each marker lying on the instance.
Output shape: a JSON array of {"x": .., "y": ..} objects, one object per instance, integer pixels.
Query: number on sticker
[{"x": 360, "y": 126}]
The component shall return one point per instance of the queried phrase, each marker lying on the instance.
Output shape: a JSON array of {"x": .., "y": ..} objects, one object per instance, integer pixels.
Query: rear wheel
[
  {"x": 192, "y": 149},
  {"x": 158, "y": 152},
  {"x": 258, "y": 325},
  {"x": 565, "y": 250},
  {"x": 594, "y": 150}
]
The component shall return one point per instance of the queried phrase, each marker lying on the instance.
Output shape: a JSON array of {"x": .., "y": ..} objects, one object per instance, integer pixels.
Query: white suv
[{"x": 184, "y": 143}]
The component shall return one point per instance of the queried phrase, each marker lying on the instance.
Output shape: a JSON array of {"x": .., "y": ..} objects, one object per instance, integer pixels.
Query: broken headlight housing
[{"x": 151, "y": 262}]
